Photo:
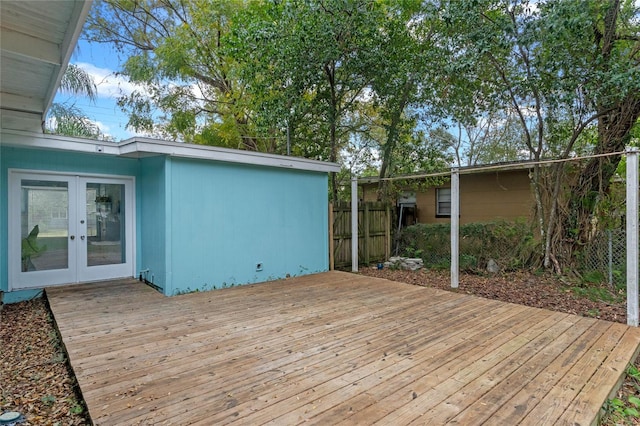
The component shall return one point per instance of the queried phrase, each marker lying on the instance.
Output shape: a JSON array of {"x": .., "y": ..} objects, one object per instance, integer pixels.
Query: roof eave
[{"x": 79, "y": 16}]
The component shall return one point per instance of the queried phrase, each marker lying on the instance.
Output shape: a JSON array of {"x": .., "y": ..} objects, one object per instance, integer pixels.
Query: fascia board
[
  {"x": 183, "y": 150},
  {"x": 55, "y": 142},
  {"x": 143, "y": 147}
]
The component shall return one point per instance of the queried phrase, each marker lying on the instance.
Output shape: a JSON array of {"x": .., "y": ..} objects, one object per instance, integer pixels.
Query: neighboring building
[
  {"x": 184, "y": 217},
  {"x": 485, "y": 195}
]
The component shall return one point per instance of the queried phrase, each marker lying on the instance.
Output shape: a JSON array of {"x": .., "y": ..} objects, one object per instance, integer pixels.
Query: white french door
[{"x": 68, "y": 229}]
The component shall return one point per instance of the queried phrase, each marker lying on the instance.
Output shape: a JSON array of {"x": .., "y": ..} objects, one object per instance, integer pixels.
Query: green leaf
[{"x": 635, "y": 401}]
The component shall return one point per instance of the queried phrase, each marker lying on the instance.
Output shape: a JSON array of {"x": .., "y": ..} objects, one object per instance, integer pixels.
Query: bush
[{"x": 510, "y": 244}]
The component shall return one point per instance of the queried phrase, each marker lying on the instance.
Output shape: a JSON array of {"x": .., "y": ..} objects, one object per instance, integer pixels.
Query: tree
[
  {"x": 77, "y": 81},
  {"x": 271, "y": 75},
  {"x": 358, "y": 68},
  {"x": 493, "y": 138},
  {"x": 311, "y": 61},
  {"x": 401, "y": 85},
  {"x": 65, "y": 118},
  {"x": 564, "y": 68},
  {"x": 68, "y": 120},
  {"x": 175, "y": 52}
]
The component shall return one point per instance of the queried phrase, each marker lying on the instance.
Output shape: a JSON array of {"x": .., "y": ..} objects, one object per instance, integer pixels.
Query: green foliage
[
  {"x": 342, "y": 80},
  {"x": 508, "y": 243},
  {"x": 76, "y": 408},
  {"x": 76, "y": 80},
  {"x": 593, "y": 313},
  {"x": 596, "y": 293},
  {"x": 48, "y": 400},
  {"x": 380, "y": 84},
  {"x": 634, "y": 374},
  {"x": 618, "y": 411},
  {"x": 593, "y": 277},
  {"x": 68, "y": 120},
  {"x": 556, "y": 65}
]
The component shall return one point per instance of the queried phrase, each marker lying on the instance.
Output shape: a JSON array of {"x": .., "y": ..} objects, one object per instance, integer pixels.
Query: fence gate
[{"x": 374, "y": 233}]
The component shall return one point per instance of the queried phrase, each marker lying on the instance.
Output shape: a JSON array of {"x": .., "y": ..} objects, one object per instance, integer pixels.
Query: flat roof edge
[{"x": 143, "y": 147}]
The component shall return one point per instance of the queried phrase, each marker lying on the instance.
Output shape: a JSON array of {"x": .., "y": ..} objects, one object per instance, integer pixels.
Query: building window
[{"x": 443, "y": 202}]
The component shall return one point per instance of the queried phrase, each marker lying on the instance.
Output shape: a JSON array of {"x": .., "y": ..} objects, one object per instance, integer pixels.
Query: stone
[
  {"x": 493, "y": 267},
  {"x": 405, "y": 263}
]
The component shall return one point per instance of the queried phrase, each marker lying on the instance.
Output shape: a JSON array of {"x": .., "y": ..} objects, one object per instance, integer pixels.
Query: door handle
[
  {"x": 73, "y": 237},
  {"x": 82, "y": 237}
]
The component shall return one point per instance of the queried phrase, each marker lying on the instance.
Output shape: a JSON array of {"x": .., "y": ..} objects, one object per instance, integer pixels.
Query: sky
[{"x": 101, "y": 61}]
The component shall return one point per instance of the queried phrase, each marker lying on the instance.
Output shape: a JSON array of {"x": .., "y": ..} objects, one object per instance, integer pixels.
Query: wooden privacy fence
[{"x": 374, "y": 233}]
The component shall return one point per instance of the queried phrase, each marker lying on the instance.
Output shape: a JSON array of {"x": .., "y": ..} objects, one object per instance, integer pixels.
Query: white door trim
[
  {"x": 17, "y": 279},
  {"x": 98, "y": 272},
  {"x": 39, "y": 279}
]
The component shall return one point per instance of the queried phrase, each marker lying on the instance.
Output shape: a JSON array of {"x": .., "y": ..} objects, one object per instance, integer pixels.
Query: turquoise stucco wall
[
  {"x": 152, "y": 223},
  {"x": 227, "y": 218},
  {"x": 56, "y": 161},
  {"x": 200, "y": 224}
]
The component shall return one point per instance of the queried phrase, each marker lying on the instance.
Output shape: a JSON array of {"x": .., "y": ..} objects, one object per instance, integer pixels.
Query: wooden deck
[{"x": 334, "y": 348}]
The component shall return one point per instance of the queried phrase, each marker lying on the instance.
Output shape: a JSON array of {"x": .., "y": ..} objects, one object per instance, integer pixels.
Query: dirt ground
[
  {"x": 35, "y": 379},
  {"x": 539, "y": 291}
]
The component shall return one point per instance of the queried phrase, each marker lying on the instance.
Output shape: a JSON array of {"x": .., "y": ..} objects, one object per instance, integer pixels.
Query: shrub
[{"x": 510, "y": 244}]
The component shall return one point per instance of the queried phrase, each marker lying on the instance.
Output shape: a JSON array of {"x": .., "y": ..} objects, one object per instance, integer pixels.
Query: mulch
[
  {"x": 539, "y": 291},
  {"x": 35, "y": 379}
]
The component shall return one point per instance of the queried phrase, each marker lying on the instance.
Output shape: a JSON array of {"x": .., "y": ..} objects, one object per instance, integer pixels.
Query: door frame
[{"x": 61, "y": 277}]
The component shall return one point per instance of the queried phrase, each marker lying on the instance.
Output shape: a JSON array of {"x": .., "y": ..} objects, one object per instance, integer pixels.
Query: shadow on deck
[{"x": 334, "y": 348}]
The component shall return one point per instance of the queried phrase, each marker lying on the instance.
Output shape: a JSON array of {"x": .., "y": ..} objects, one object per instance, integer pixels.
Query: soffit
[{"x": 36, "y": 42}]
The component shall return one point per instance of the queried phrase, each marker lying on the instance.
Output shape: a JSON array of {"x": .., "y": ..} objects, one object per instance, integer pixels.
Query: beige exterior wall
[{"x": 484, "y": 197}]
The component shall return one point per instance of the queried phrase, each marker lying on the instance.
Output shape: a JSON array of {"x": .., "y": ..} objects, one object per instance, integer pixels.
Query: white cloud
[
  {"x": 104, "y": 129},
  {"x": 122, "y": 132},
  {"x": 109, "y": 84}
]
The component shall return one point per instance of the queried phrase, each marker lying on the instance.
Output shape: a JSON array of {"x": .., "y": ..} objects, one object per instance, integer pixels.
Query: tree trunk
[
  {"x": 392, "y": 139},
  {"x": 595, "y": 178},
  {"x": 389, "y": 147}
]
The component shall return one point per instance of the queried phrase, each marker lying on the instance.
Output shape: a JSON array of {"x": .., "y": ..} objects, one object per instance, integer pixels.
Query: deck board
[{"x": 333, "y": 348}]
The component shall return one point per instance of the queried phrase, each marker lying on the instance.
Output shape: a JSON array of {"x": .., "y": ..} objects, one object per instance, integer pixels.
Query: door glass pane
[
  {"x": 44, "y": 223},
  {"x": 105, "y": 224}
]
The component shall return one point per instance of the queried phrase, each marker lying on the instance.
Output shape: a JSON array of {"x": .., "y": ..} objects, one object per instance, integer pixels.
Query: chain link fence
[
  {"x": 604, "y": 259},
  {"x": 511, "y": 246},
  {"x": 505, "y": 245}
]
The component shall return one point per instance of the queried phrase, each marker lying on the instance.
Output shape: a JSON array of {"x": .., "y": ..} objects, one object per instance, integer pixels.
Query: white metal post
[
  {"x": 632, "y": 236},
  {"x": 455, "y": 225},
  {"x": 354, "y": 224}
]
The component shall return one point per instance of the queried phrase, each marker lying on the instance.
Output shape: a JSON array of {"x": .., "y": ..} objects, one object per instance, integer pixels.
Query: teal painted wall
[
  {"x": 226, "y": 218},
  {"x": 152, "y": 223},
  {"x": 57, "y": 161}
]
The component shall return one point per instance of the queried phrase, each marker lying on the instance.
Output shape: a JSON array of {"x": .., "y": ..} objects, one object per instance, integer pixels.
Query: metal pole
[
  {"x": 455, "y": 226},
  {"x": 354, "y": 224},
  {"x": 632, "y": 236}
]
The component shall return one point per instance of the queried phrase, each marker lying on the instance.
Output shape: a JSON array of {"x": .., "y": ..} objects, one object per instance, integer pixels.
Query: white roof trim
[{"x": 145, "y": 147}]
